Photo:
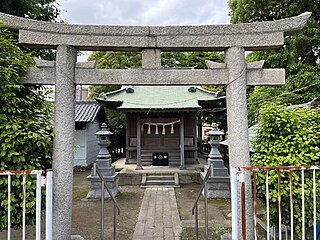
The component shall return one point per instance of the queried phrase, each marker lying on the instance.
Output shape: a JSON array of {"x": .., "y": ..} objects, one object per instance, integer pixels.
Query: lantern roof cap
[
  {"x": 104, "y": 131},
  {"x": 215, "y": 131}
]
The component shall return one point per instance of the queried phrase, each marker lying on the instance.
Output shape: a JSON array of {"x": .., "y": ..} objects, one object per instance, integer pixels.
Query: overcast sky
[{"x": 144, "y": 12}]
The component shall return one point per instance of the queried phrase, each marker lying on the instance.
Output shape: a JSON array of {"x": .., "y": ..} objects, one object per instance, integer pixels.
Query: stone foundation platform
[{"x": 128, "y": 175}]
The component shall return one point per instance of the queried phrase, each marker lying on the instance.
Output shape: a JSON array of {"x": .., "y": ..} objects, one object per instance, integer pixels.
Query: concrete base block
[
  {"x": 95, "y": 190},
  {"x": 218, "y": 187},
  {"x": 219, "y": 194}
]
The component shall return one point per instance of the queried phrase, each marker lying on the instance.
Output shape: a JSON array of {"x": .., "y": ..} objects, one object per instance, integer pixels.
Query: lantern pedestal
[
  {"x": 104, "y": 164},
  {"x": 219, "y": 181},
  {"x": 219, "y": 184},
  {"x": 109, "y": 176}
]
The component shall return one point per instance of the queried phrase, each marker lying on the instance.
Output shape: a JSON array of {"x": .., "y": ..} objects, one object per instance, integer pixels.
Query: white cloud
[{"x": 145, "y": 12}]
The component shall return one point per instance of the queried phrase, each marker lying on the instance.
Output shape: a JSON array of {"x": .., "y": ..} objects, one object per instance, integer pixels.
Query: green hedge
[
  {"x": 288, "y": 137},
  {"x": 25, "y": 128}
]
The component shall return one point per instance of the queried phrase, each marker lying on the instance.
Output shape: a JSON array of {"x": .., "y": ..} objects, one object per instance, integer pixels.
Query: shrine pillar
[
  {"x": 238, "y": 126},
  {"x": 139, "y": 163},
  {"x": 63, "y": 142},
  {"x": 182, "y": 160}
]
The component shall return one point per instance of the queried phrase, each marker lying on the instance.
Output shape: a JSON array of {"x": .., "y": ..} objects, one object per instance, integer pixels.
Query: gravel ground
[{"x": 86, "y": 214}]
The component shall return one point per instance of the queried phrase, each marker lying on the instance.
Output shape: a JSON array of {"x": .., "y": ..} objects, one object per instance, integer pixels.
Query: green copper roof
[{"x": 158, "y": 97}]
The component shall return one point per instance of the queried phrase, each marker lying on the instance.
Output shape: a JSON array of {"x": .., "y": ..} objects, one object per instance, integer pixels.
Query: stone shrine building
[{"x": 161, "y": 122}]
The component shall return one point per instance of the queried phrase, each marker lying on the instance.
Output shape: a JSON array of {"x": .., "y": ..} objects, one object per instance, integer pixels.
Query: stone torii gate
[{"x": 235, "y": 74}]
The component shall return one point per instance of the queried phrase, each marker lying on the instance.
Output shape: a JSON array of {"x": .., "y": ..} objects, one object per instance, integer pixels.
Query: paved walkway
[{"x": 159, "y": 217}]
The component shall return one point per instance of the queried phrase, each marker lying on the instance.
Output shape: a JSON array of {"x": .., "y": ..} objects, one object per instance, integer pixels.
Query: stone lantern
[
  {"x": 104, "y": 164},
  {"x": 219, "y": 180},
  {"x": 215, "y": 137}
]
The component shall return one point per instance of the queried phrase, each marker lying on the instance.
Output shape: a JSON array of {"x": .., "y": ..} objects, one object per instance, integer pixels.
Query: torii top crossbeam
[{"x": 252, "y": 36}]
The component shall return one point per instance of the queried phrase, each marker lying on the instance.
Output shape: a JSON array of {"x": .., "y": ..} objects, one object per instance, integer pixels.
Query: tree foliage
[
  {"x": 189, "y": 59},
  {"x": 287, "y": 137},
  {"x": 113, "y": 60},
  {"x": 125, "y": 60},
  {"x": 25, "y": 128},
  {"x": 242, "y": 11},
  {"x": 299, "y": 56},
  {"x": 25, "y": 116},
  {"x": 43, "y": 10}
]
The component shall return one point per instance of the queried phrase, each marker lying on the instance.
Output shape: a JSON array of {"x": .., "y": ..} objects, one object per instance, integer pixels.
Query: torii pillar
[
  {"x": 64, "y": 128},
  {"x": 237, "y": 119}
]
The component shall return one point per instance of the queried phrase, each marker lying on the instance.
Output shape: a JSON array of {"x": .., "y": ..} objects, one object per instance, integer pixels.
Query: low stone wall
[
  {"x": 186, "y": 178},
  {"x": 129, "y": 179}
]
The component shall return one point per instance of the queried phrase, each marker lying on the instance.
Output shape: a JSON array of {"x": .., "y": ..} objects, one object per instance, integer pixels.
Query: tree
[
  {"x": 189, "y": 59},
  {"x": 287, "y": 137},
  {"x": 113, "y": 60},
  {"x": 299, "y": 56},
  {"x": 43, "y": 10},
  {"x": 25, "y": 128},
  {"x": 123, "y": 60}
]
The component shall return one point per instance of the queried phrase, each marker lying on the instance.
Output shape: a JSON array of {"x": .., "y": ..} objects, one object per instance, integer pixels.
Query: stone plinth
[
  {"x": 95, "y": 187},
  {"x": 104, "y": 165},
  {"x": 109, "y": 176},
  {"x": 219, "y": 183}
]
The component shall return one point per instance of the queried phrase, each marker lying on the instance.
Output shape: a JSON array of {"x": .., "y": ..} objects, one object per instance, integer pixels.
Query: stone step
[
  {"x": 165, "y": 180},
  {"x": 160, "y": 177},
  {"x": 146, "y": 163},
  {"x": 159, "y": 182},
  {"x": 149, "y": 158},
  {"x": 160, "y": 186}
]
